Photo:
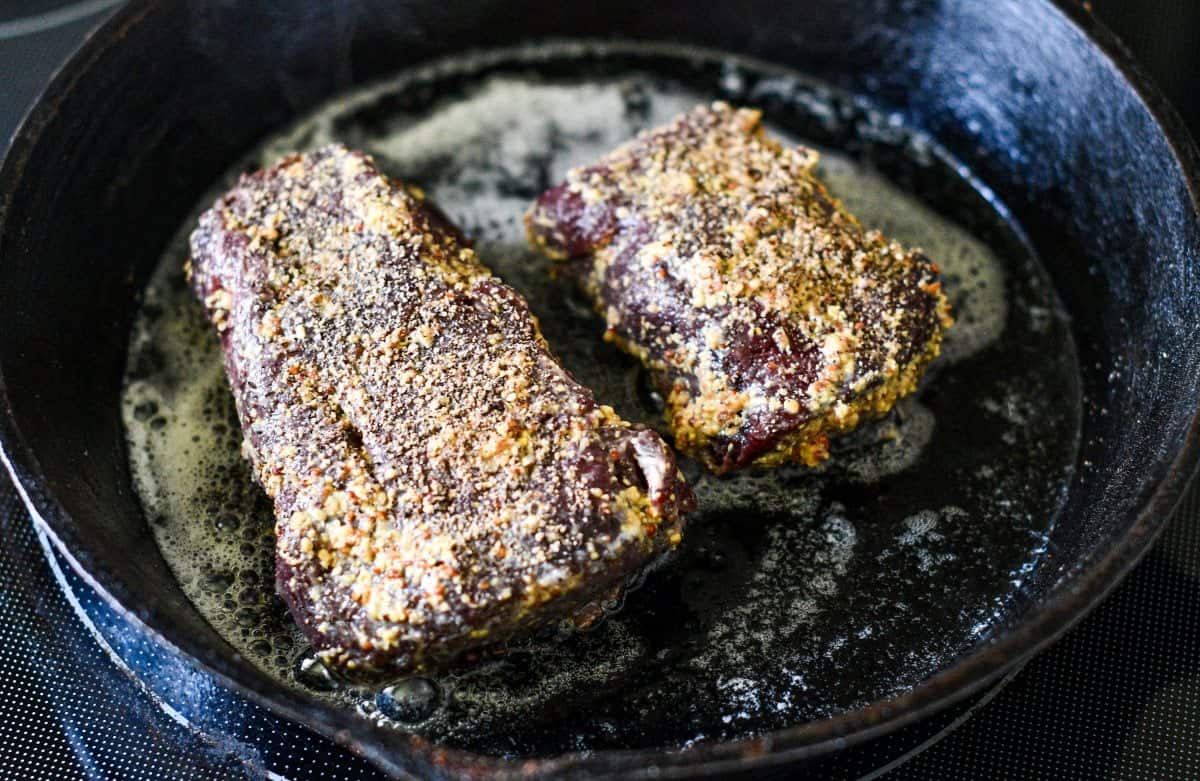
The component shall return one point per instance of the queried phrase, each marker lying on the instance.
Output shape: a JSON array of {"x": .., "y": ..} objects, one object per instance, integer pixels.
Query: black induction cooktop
[{"x": 84, "y": 694}]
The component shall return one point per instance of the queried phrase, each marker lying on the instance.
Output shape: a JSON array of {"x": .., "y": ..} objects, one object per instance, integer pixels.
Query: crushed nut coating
[
  {"x": 768, "y": 316},
  {"x": 440, "y": 482}
]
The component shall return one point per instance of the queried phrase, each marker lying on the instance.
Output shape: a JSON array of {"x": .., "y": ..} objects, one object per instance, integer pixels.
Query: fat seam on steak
[
  {"x": 439, "y": 480},
  {"x": 767, "y": 315}
]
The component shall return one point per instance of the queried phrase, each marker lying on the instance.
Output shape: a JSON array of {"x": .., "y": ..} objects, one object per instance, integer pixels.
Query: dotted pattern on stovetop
[
  {"x": 65, "y": 710},
  {"x": 1118, "y": 698},
  {"x": 69, "y": 710}
]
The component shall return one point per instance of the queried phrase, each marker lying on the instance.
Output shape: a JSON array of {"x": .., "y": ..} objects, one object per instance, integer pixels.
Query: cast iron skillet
[{"x": 1042, "y": 102}]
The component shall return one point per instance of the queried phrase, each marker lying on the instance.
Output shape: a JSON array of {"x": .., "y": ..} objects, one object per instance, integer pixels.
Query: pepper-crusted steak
[
  {"x": 768, "y": 316},
  {"x": 439, "y": 480}
]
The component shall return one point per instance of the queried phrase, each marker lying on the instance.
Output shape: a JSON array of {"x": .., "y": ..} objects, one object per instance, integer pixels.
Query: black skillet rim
[{"x": 1043, "y": 625}]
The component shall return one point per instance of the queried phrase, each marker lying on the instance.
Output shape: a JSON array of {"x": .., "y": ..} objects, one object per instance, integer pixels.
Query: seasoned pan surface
[{"x": 798, "y": 593}]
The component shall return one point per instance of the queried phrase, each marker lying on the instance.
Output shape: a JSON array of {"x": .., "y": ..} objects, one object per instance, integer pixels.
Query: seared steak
[
  {"x": 439, "y": 481},
  {"x": 768, "y": 316}
]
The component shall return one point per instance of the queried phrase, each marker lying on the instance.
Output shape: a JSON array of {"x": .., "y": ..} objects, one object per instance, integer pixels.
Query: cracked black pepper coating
[
  {"x": 440, "y": 482},
  {"x": 767, "y": 315}
]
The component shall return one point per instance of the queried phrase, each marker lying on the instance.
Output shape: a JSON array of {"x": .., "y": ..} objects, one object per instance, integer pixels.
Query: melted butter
[{"x": 768, "y": 591}]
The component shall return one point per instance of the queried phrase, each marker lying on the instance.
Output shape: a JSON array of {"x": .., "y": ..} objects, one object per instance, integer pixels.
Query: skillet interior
[
  {"x": 164, "y": 99},
  {"x": 797, "y": 592}
]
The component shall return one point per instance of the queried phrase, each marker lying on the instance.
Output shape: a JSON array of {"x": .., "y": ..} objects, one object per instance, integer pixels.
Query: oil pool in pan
[{"x": 797, "y": 592}]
